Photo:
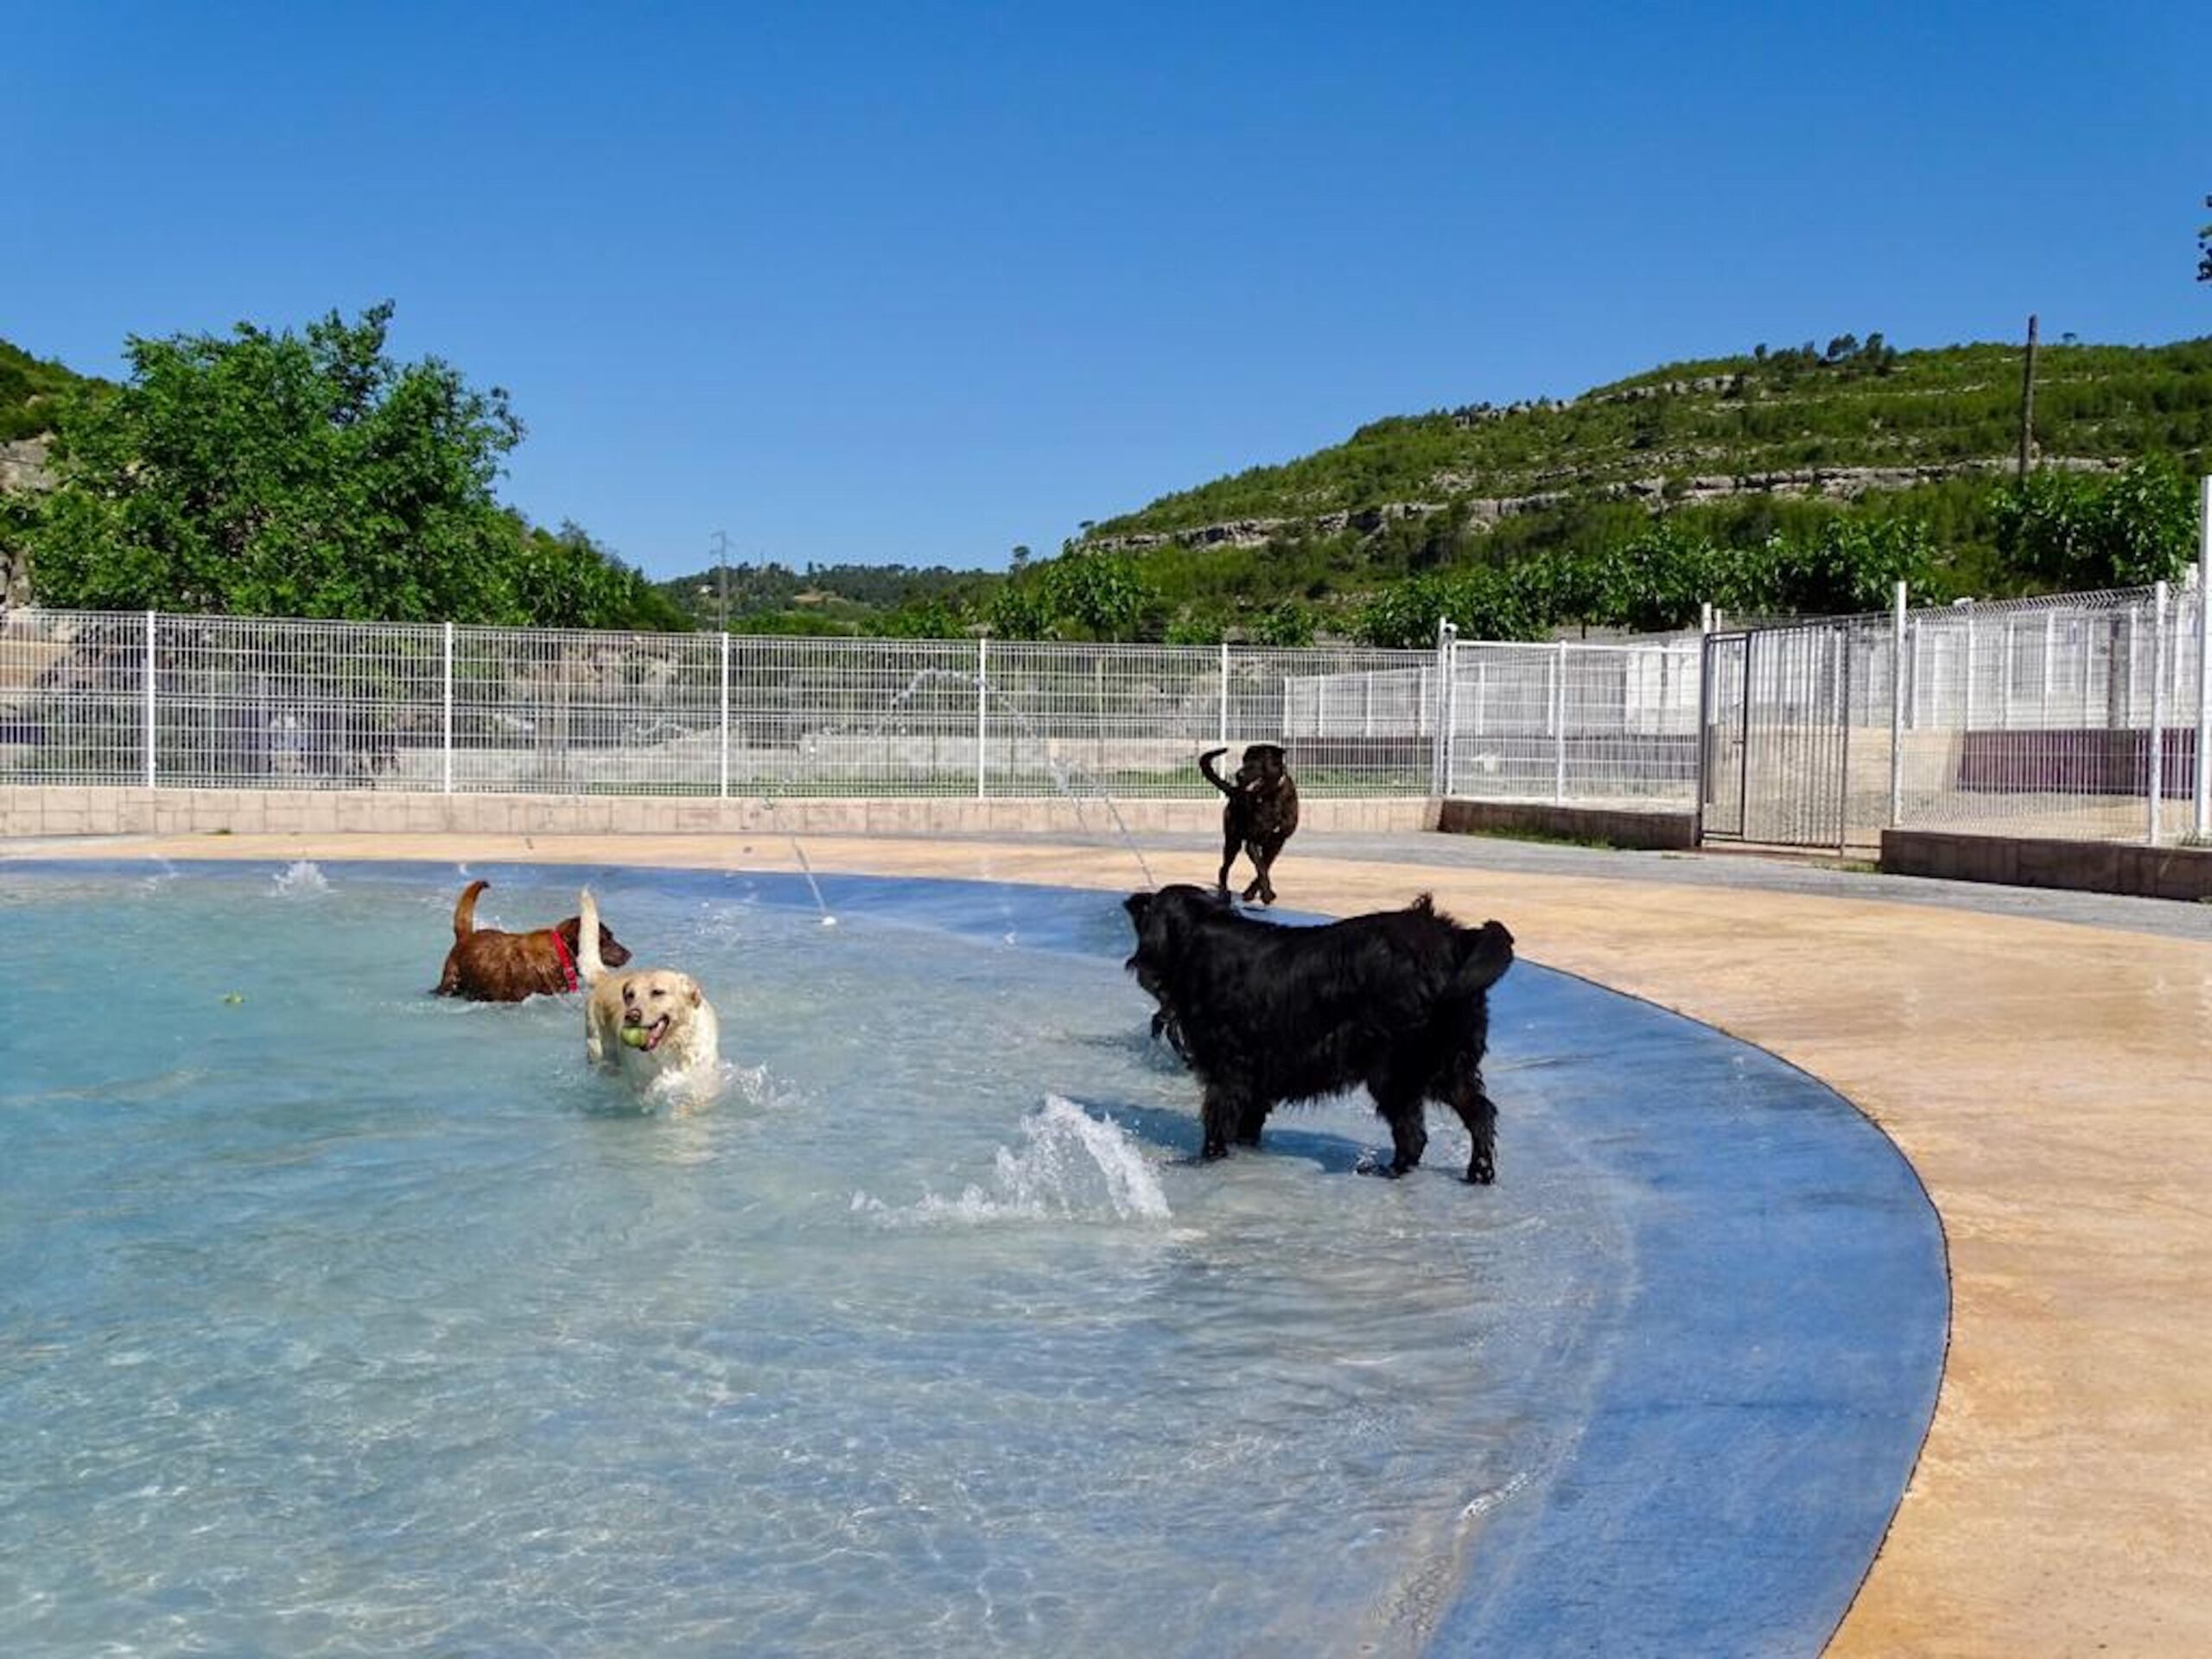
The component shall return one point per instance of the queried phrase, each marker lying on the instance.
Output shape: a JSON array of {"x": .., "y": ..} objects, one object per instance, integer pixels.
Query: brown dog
[
  {"x": 1259, "y": 814},
  {"x": 489, "y": 966}
]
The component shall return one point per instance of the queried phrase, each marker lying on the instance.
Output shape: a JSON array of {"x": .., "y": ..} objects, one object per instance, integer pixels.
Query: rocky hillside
[
  {"x": 1859, "y": 419},
  {"x": 30, "y": 389}
]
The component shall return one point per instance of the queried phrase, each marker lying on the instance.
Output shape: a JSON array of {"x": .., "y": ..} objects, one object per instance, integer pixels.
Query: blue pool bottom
[
  {"x": 1754, "y": 1398},
  {"x": 1728, "y": 1422}
]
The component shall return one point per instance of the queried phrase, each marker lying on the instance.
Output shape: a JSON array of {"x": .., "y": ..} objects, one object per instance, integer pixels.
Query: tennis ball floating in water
[{"x": 634, "y": 1036}]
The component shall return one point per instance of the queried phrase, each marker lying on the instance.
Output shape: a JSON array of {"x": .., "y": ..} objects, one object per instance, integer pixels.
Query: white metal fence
[
  {"x": 1569, "y": 720},
  {"x": 2080, "y": 716},
  {"x": 2037, "y": 715},
  {"x": 233, "y": 703}
]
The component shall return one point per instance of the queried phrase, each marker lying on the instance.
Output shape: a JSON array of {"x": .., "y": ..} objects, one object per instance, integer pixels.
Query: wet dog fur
[
  {"x": 1265, "y": 1015},
  {"x": 1259, "y": 816},
  {"x": 487, "y": 965},
  {"x": 682, "y": 1035}
]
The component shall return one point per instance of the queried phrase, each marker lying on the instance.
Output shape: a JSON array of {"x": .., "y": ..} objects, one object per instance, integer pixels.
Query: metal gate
[{"x": 1775, "y": 752}]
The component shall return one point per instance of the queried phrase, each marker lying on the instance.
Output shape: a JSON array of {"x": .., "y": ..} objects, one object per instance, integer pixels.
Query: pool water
[{"x": 340, "y": 1319}]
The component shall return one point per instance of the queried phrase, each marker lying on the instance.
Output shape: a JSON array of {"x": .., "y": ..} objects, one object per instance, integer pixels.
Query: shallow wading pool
[{"x": 342, "y": 1319}]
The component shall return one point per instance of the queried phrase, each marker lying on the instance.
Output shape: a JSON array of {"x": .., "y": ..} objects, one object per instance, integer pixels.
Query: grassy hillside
[
  {"x": 1800, "y": 479},
  {"x": 832, "y": 599},
  {"x": 1796, "y": 479},
  {"x": 29, "y": 387},
  {"x": 1731, "y": 421}
]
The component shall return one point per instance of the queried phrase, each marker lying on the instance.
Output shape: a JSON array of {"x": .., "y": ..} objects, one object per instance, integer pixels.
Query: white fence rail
[
  {"x": 2079, "y": 717},
  {"x": 232, "y": 702}
]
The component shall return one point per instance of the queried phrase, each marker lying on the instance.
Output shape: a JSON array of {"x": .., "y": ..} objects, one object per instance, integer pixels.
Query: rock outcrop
[
  {"x": 1840, "y": 483},
  {"x": 23, "y": 467}
]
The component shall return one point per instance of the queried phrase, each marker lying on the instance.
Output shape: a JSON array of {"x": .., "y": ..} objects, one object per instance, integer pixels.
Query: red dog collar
[{"x": 567, "y": 962}]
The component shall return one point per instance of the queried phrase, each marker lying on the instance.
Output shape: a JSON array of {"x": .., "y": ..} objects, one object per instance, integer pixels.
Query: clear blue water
[{"x": 337, "y": 1319}]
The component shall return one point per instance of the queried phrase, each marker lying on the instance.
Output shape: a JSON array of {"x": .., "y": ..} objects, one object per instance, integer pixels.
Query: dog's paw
[
  {"x": 1373, "y": 1163},
  {"x": 1481, "y": 1171}
]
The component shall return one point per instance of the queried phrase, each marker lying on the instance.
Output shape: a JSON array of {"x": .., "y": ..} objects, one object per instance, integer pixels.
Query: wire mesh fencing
[
  {"x": 232, "y": 702},
  {"x": 2077, "y": 716},
  {"x": 1570, "y": 722},
  {"x": 2082, "y": 716}
]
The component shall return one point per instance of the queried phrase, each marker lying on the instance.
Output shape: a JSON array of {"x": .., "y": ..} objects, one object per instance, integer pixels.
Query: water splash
[
  {"x": 1484, "y": 1501},
  {"x": 1071, "y": 1166},
  {"x": 303, "y": 879},
  {"x": 1074, "y": 784},
  {"x": 807, "y": 870},
  {"x": 767, "y": 798}
]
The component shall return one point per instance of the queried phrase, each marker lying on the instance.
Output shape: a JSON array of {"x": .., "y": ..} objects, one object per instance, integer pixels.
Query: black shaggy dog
[
  {"x": 1266, "y": 1015},
  {"x": 1259, "y": 814}
]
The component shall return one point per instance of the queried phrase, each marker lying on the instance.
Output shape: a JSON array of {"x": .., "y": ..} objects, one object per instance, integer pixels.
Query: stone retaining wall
[
  {"x": 1658, "y": 830},
  {"x": 29, "y": 810},
  {"x": 2032, "y": 861}
]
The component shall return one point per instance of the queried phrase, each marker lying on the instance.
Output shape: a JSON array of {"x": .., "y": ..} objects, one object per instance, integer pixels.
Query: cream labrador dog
[{"x": 652, "y": 1025}]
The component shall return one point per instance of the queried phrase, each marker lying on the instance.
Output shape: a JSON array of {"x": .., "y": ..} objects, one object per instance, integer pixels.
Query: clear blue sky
[{"x": 874, "y": 283}]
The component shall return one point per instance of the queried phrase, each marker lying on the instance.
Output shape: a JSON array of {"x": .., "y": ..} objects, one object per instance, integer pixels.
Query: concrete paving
[{"x": 2044, "y": 1060}]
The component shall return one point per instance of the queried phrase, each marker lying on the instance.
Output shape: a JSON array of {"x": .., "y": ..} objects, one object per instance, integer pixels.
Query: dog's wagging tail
[{"x": 1397, "y": 1003}]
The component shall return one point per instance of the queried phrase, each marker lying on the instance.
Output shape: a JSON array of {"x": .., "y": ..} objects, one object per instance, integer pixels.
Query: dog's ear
[
  {"x": 697, "y": 998},
  {"x": 571, "y": 932},
  {"x": 1136, "y": 903}
]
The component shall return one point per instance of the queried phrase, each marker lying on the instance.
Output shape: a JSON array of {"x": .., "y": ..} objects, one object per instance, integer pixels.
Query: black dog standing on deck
[
  {"x": 1259, "y": 814},
  {"x": 1266, "y": 1014}
]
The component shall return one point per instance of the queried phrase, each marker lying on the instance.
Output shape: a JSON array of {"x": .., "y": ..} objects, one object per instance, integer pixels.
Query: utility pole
[
  {"x": 2028, "y": 400},
  {"x": 722, "y": 581}
]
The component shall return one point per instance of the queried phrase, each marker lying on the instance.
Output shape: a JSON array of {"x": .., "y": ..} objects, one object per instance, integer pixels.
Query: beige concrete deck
[{"x": 2052, "y": 1083}]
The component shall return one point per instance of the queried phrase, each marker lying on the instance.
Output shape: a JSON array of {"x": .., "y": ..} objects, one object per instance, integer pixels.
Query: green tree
[
  {"x": 934, "y": 618},
  {"x": 1018, "y": 611},
  {"x": 1289, "y": 623},
  {"x": 1096, "y": 595},
  {"x": 1852, "y": 566},
  {"x": 2072, "y": 531},
  {"x": 283, "y": 474},
  {"x": 565, "y": 580},
  {"x": 1657, "y": 581}
]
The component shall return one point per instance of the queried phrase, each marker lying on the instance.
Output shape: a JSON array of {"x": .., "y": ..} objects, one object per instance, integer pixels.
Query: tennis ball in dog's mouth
[{"x": 634, "y": 1036}]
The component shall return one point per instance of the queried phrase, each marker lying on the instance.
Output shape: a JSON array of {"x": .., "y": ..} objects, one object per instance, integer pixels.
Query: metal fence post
[
  {"x": 982, "y": 698},
  {"x": 1705, "y": 621},
  {"x": 1221, "y": 737},
  {"x": 2155, "y": 760},
  {"x": 1845, "y": 652},
  {"x": 1559, "y": 722},
  {"x": 1967, "y": 723},
  {"x": 2044, "y": 715},
  {"x": 1896, "y": 706},
  {"x": 2202, "y": 795},
  {"x": 150, "y": 699},
  {"x": 724, "y": 765},
  {"x": 446, "y": 764},
  {"x": 1440, "y": 769},
  {"x": 2005, "y": 676}
]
